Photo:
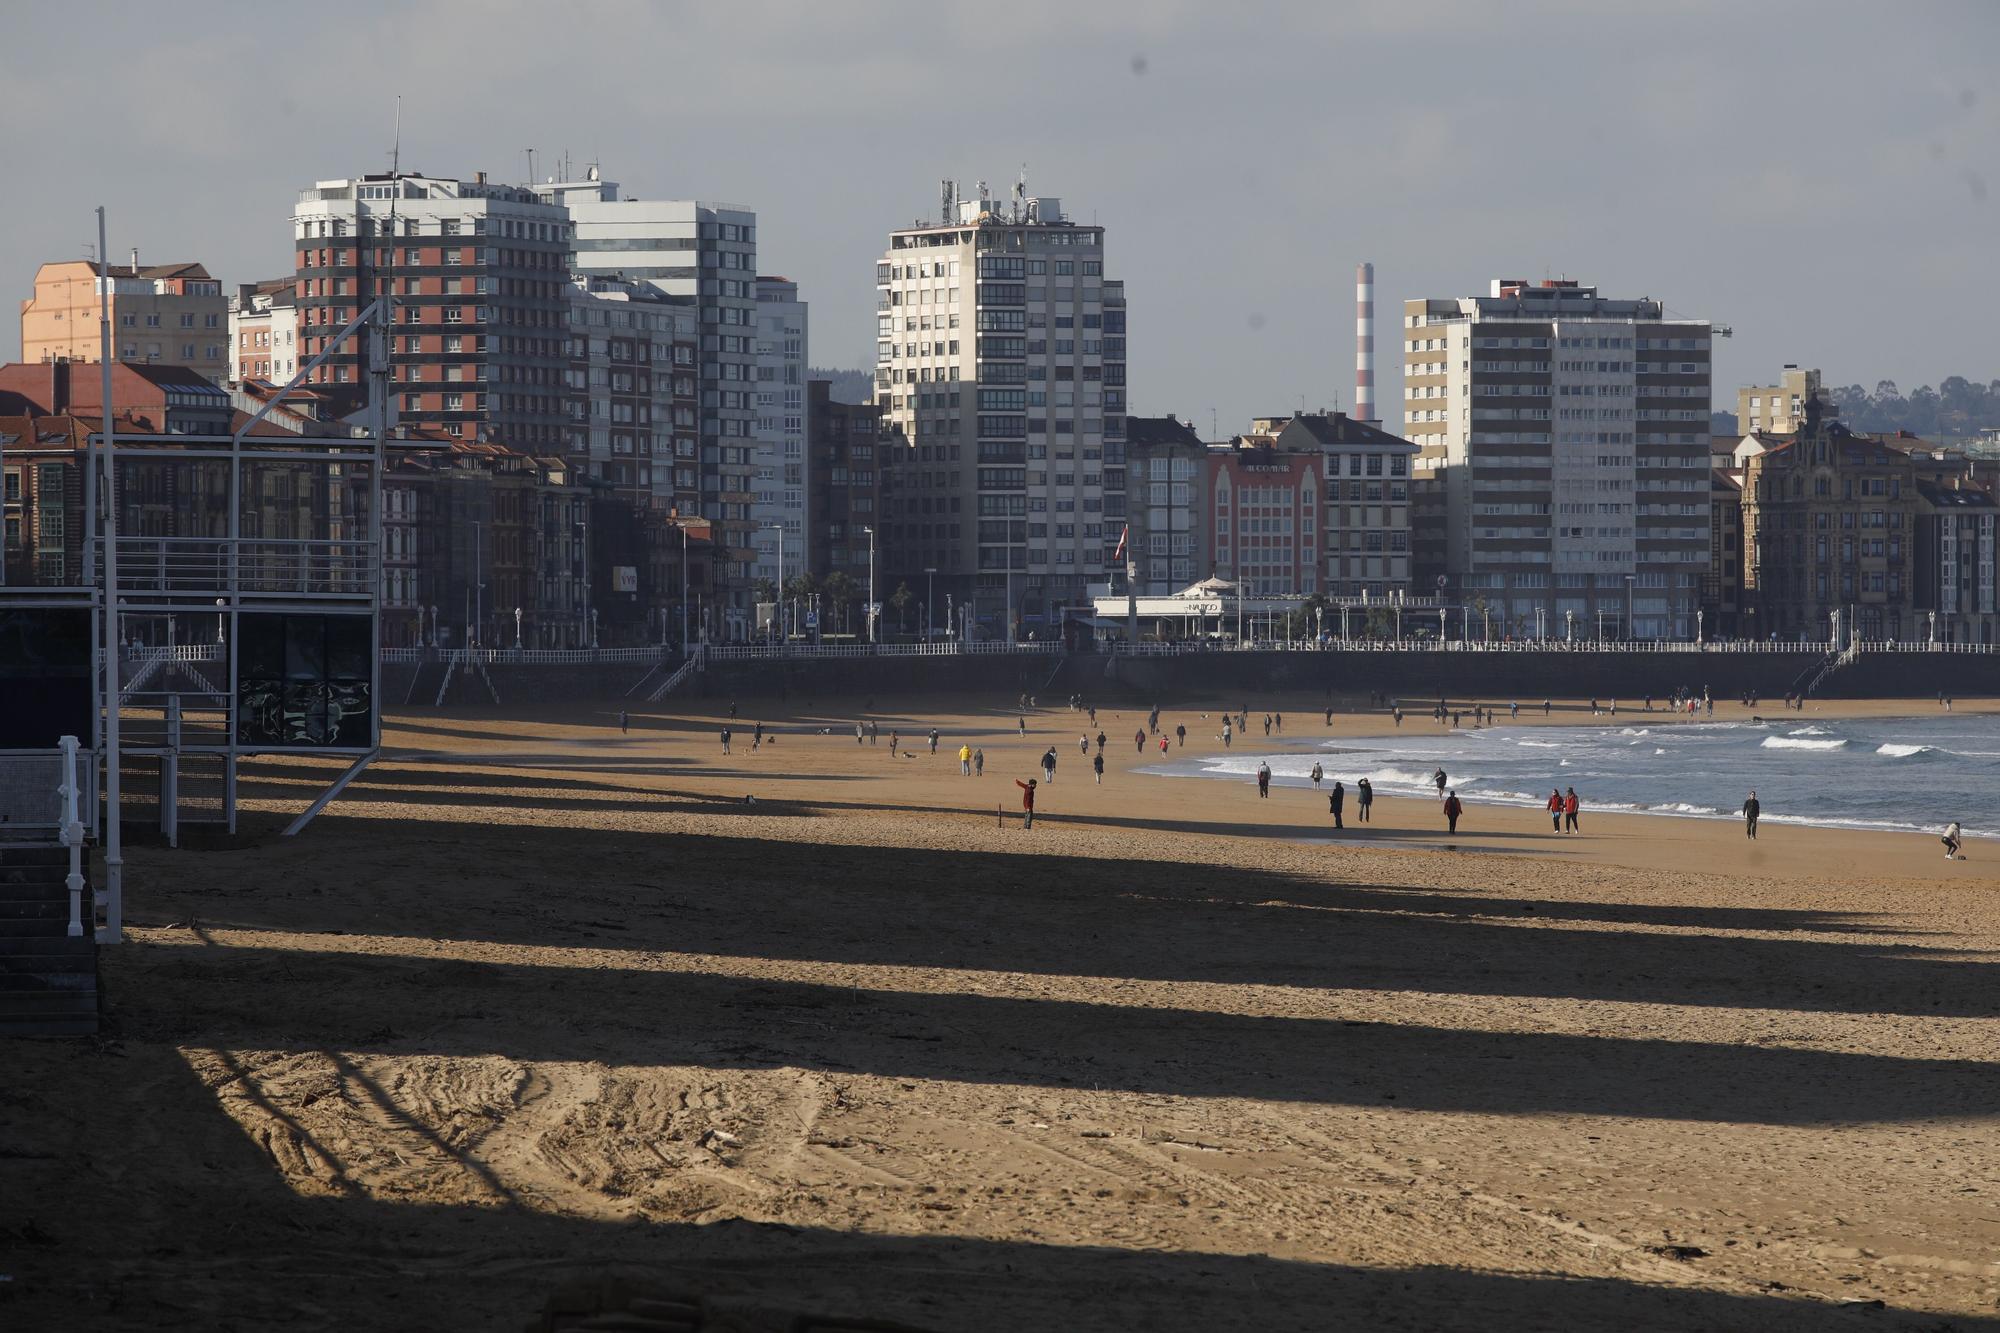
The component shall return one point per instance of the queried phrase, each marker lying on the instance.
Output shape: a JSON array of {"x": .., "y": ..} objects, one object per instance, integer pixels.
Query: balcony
[{"x": 214, "y": 568}]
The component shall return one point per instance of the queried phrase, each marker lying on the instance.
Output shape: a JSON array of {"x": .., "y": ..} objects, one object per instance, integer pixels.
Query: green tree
[
  {"x": 901, "y": 599},
  {"x": 763, "y": 590},
  {"x": 839, "y": 591}
]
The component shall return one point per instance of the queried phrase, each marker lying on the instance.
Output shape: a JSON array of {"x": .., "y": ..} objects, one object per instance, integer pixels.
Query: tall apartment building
[
  {"x": 166, "y": 314},
  {"x": 1566, "y": 434},
  {"x": 1780, "y": 409},
  {"x": 264, "y": 331},
  {"x": 845, "y": 492},
  {"x": 1000, "y": 360},
  {"x": 1957, "y": 551},
  {"x": 706, "y": 252},
  {"x": 632, "y": 393},
  {"x": 1166, "y": 467},
  {"x": 478, "y": 271},
  {"x": 783, "y": 480}
]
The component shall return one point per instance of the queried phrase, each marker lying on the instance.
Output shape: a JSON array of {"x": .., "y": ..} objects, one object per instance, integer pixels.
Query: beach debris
[
  {"x": 717, "y": 1139},
  {"x": 1684, "y": 1253}
]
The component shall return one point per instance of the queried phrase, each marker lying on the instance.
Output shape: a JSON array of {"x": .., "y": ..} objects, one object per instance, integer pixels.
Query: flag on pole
[{"x": 1123, "y": 537}]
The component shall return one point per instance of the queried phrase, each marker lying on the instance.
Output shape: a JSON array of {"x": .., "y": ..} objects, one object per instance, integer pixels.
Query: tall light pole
[
  {"x": 1628, "y": 608},
  {"x": 779, "y": 608},
  {"x": 114, "y": 837},
  {"x": 930, "y": 590},
  {"x": 589, "y": 610},
  {"x": 479, "y": 584},
  {"x": 684, "y": 586},
  {"x": 871, "y": 583}
]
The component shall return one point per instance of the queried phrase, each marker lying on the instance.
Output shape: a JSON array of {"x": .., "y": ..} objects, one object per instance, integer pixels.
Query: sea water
[{"x": 1903, "y": 774}]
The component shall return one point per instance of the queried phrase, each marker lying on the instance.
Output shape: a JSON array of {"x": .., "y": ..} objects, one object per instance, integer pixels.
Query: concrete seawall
[{"x": 1240, "y": 677}]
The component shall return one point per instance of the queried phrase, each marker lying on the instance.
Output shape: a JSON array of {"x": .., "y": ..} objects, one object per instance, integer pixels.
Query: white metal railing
[
  {"x": 72, "y": 835},
  {"x": 758, "y": 651},
  {"x": 696, "y": 661},
  {"x": 214, "y": 566},
  {"x": 525, "y": 656}
]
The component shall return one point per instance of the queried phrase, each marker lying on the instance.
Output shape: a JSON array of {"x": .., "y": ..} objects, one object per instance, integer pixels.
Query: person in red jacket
[
  {"x": 1570, "y": 806},
  {"x": 1027, "y": 802},
  {"x": 1556, "y": 810},
  {"x": 1452, "y": 810}
]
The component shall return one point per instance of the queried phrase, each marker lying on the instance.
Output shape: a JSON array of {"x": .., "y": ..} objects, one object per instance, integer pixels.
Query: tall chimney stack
[
  {"x": 135, "y": 261},
  {"x": 1364, "y": 343}
]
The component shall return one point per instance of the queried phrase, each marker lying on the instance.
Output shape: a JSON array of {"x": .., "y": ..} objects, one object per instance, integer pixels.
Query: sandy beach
[{"x": 818, "y": 1027}]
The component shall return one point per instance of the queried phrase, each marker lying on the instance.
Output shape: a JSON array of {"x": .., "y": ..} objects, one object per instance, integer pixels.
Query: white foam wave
[
  {"x": 1808, "y": 731},
  {"x": 1894, "y": 751},
  {"x": 1799, "y": 743},
  {"x": 1540, "y": 745}
]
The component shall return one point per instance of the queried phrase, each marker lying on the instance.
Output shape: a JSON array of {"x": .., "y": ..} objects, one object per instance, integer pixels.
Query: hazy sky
[{"x": 1821, "y": 176}]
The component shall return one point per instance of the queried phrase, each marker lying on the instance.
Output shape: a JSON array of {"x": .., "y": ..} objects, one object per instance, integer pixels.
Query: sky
[{"x": 1823, "y": 178}]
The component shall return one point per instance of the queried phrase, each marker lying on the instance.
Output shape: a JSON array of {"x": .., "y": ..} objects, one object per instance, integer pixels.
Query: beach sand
[{"x": 812, "y": 1027}]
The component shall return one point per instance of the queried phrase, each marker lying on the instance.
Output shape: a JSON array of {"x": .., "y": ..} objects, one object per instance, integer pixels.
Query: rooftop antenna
[
  {"x": 531, "y": 167},
  {"x": 396, "y": 151},
  {"x": 1021, "y": 192}
]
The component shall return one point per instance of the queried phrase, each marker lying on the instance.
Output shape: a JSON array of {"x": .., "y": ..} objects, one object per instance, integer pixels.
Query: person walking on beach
[
  {"x": 1951, "y": 842},
  {"x": 1100, "y": 742},
  {"x": 1163, "y": 745},
  {"x": 979, "y": 763},
  {"x": 1083, "y": 746},
  {"x": 1440, "y": 779},
  {"x": 725, "y": 740},
  {"x": 624, "y": 722},
  {"x": 1556, "y": 810},
  {"x": 859, "y": 737},
  {"x": 1335, "y": 799},
  {"x": 1317, "y": 774},
  {"x": 1364, "y": 798},
  {"x": 1180, "y": 735},
  {"x": 1264, "y": 781},
  {"x": 1750, "y": 812},
  {"x": 965, "y": 760},
  {"x": 1153, "y": 719},
  {"x": 893, "y": 735},
  {"x": 1097, "y": 767},
  {"x": 732, "y": 708},
  {"x": 933, "y": 740},
  {"x": 1093, "y": 715},
  {"x": 1225, "y": 733},
  {"x": 1027, "y": 802},
  {"x": 874, "y": 731},
  {"x": 1267, "y": 724},
  {"x": 757, "y": 737},
  {"x": 1397, "y": 713},
  {"x": 1545, "y": 708},
  {"x": 1514, "y": 710},
  {"x": 1570, "y": 807},
  {"x": 1049, "y": 766},
  {"x": 1278, "y": 720},
  {"x": 1452, "y": 810},
  {"x": 1023, "y": 721},
  {"x": 1139, "y": 741}
]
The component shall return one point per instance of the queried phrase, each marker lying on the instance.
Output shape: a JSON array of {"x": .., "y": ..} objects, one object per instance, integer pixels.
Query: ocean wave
[
  {"x": 1541, "y": 745},
  {"x": 1894, "y": 751},
  {"x": 1808, "y": 731},
  {"x": 1795, "y": 742}
]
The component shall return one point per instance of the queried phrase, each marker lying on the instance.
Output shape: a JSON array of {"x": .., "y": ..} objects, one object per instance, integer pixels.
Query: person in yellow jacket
[{"x": 965, "y": 760}]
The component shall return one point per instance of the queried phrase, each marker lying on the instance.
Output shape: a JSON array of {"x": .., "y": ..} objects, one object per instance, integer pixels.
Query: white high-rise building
[
  {"x": 1565, "y": 443},
  {"x": 708, "y": 252},
  {"x": 1000, "y": 360},
  {"x": 781, "y": 480}
]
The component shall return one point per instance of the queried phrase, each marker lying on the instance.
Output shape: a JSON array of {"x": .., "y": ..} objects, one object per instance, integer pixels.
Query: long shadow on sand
[
  {"x": 229, "y": 1246},
  {"x": 458, "y": 1007},
  {"x": 1075, "y": 916}
]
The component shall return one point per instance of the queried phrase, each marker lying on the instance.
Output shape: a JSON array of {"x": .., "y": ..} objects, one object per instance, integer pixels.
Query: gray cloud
[{"x": 1812, "y": 174}]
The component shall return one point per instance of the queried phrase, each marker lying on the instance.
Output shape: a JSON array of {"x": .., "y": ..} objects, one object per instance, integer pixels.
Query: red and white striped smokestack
[{"x": 1364, "y": 342}]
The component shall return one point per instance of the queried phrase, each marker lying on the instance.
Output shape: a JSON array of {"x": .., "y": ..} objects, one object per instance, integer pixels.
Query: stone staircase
[{"x": 48, "y": 978}]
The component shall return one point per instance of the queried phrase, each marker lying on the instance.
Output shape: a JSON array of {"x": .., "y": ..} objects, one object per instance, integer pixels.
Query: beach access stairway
[{"x": 48, "y": 977}]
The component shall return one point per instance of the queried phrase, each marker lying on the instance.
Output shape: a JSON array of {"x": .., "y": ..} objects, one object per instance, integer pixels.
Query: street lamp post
[
  {"x": 778, "y": 602},
  {"x": 684, "y": 586},
  {"x": 871, "y": 583},
  {"x": 930, "y": 587},
  {"x": 1628, "y": 608}
]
